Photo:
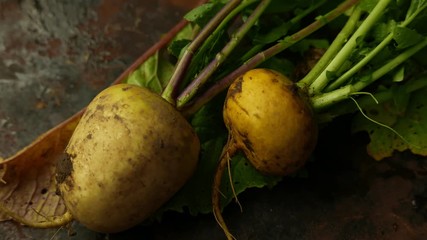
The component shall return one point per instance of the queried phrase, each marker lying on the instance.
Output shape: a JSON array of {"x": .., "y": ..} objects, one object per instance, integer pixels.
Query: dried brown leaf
[
  {"x": 28, "y": 186},
  {"x": 3, "y": 216}
]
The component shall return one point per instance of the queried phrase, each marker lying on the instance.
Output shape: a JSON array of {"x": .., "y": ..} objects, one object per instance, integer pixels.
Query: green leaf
[
  {"x": 399, "y": 75},
  {"x": 409, "y": 124},
  {"x": 188, "y": 32},
  {"x": 400, "y": 101},
  {"x": 202, "y": 14},
  {"x": 152, "y": 74},
  {"x": 182, "y": 40},
  {"x": 406, "y": 37},
  {"x": 331, "y": 75},
  {"x": 244, "y": 176},
  {"x": 177, "y": 47},
  {"x": 273, "y": 35},
  {"x": 382, "y": 30},
  {"x": 205, "y": 54}
]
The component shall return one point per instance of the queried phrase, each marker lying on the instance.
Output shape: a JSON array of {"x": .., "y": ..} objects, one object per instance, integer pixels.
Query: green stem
[
  {"x": 411, "y": 17},
  {"x": 172, "y": 86},
  {"x": 221, "y": 85},
  {"x": 333, "y": 49},
  {"x": 356, "y": 68},
  {"x": 366, "y": 101},
  {"x": 322, "y": 101},
  {"x": 391, "y": 65},
  {"x": 320, "y": 83},
  {"x": 325, "y": 100}
]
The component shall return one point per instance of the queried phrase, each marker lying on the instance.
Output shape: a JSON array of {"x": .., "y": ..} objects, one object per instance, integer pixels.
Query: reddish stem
[
  {"x": 172, "y": 87},
  {"x": 221, "y": 85}
]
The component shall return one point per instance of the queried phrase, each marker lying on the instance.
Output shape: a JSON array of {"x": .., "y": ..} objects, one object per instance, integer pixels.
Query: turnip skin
[
  {"x": 129, "y": 154},
  {"x": 270, "y": 120}
]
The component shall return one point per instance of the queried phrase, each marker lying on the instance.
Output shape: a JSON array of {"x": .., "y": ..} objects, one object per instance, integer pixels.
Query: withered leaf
[
  {"x": 3, "y": 216},
  {"x": 27, "y": 180}
]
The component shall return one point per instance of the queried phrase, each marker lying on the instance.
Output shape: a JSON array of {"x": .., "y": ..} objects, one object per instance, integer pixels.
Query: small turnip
[
  {"x": 129, "y": 154},
  {"x": 269, "y": 119}
]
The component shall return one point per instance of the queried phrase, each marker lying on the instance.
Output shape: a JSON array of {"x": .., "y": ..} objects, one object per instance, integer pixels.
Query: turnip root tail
[{"x": 229, "y": 150}]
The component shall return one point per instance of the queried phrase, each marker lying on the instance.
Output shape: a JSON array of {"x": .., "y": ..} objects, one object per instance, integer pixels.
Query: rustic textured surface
[{"x": 54, "y": 57}]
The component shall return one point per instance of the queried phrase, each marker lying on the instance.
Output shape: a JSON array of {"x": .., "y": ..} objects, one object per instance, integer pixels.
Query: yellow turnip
[
  {"x": 129, "y": 154},
  {"x": 269, "y": 119}
]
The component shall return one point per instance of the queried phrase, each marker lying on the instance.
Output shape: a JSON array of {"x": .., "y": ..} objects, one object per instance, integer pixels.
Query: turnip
[
  {"x": 270, "y": 120},
  {"x": 133, "y": 150},
  {"x": 130, "y": 152}
]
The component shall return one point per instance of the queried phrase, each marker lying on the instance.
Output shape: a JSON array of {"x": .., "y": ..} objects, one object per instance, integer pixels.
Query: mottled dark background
[{"x": 56, "y": 55}]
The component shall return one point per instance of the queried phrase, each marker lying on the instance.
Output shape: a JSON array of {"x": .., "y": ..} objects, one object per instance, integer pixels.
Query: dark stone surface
[{"x": 56, "y": 55}]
